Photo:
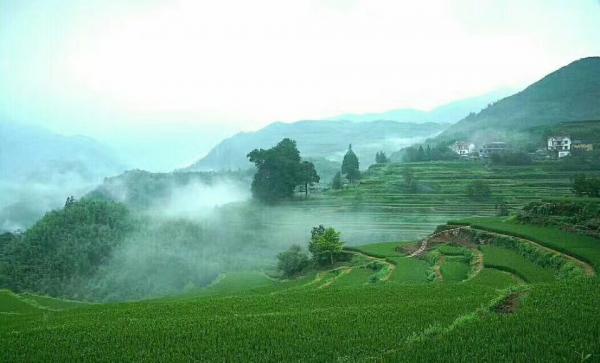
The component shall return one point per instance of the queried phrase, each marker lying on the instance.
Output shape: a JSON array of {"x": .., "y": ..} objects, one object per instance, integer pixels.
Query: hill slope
[
  {"x": 448, "y": 113},
  {"x": 571, "y": 93},
  {"x": 39, "y": 169},
  {"x": 327, "y": 139}
]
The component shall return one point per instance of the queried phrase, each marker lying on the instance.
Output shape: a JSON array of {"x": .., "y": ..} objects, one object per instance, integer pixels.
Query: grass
[
  {"x": 509, "y": 260},
  {"x": 308, "y": 325},
  {"x": 582, "y": 247},
  {"x": 247, "y": 316},
  {"x": 556, "y": 322},
  {"x": 380, "y": 210},
  {"x": 455, "y": 268},
  {"x": 382, "y": 249},
  {"x": 358, "y": 276},
  {"x": 409, "y": 270},
  {"x": 493, "y": 277}
]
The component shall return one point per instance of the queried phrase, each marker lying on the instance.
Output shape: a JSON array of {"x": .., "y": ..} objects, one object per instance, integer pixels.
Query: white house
[
  {"x": 462, "y": 148},
  {"x": 560, "y": 144},
  {"x": 496, "y": 147}
]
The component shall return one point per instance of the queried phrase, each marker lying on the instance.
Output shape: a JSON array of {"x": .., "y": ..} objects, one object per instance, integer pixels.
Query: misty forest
[{"x": 184, "y": 182}]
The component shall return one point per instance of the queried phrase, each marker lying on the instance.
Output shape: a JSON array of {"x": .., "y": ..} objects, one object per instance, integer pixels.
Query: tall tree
[
  {"x": 350, "y": 165},
  {"x": 279, "y": 171},
  {"x": 308, "y": 176},
  {"x": 337, "y": 181},
  {"x": 325, "y": 244},
  {"x": 381, "y": 158}
]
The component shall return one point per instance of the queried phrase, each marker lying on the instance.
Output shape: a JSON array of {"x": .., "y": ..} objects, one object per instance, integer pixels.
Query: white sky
[{"x": 98, "y": 66}]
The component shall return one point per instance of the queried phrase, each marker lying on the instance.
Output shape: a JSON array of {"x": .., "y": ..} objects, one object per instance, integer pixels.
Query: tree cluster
[
  {"x": 63, "y": 249},
  {"x": 279, "y": 170},
  {"x": 511, "y": 158},
  {"x": 381, "y": 158},
  {"x": 586, "y": 186},
  {"x": 478, "y": 190},
  {"x": 428, "y": 153},
  {"x": 325, "y": 247}
]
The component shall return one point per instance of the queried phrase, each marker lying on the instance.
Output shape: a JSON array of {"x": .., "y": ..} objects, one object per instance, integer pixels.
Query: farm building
[
  {"x": 492, "y": 148},
  {"x": 582, "y": 146},
  {"x": 560, "y": 144},
  {"x": 462, "y": 148}
]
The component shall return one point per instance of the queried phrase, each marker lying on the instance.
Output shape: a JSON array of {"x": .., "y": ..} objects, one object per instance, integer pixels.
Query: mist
[{"x": 198, "y": 229}]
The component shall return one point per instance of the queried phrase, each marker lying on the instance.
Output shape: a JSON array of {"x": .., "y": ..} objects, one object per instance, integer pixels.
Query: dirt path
[{"x": 425, "y": 242}]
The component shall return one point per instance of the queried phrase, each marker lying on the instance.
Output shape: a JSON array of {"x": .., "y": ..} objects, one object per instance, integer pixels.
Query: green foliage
[
  {"x": 308, "y": 175},
  {"x": 279, "y": 171},
  {"x": 511, "y": 261},
  {"x": 65, "y": 248},
  {"x": 586, "y": 186},
  {"x": 292, "y": 261},
  {"x": 350, "y": 166},
  {"x": 582, "y": 216},
  {"x": 582, "y": 247},
  {"x": 567, "y": 94},
  {"x": 337, "y": 181},
  {"x": 511, "y": 158},
  {"x": 308, "y": 325},
  {"x": 325, "y": 245},
  {"x": 478, "y": 190},
  {"x": 381, "y": 158},
  {"x": 436, "y": 153},
  {"x": 410, "y": 181},
  {"x": 502, "y": 209},
  {"x": 455, "y": 268}
]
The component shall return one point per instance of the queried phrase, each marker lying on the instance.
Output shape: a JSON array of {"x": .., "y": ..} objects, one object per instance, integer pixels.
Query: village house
[
  {"x": 462, "y": 148},
  {"x": 560, "y": 144},
  {"x": 581, "y": 146},
  {"x": 488, "y": 149}
]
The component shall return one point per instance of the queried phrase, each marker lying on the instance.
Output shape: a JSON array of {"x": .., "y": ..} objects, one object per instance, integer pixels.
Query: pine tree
[{"x": 350, "y": 165}]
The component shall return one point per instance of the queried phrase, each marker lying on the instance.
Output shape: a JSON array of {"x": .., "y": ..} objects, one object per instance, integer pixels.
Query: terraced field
[
  {"x": 337, "y": 315},
  {"x": 380, "y": 210}
]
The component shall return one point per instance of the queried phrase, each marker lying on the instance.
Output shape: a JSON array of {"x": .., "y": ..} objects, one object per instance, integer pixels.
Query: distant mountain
[
  {"x": 448, "y": 113},
  {"x": 318, "y": 139},
  {"x": 572, "y": 93},
  {"x": 39, "y": 169}
]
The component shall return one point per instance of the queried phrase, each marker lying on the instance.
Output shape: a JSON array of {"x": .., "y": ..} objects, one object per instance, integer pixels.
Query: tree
[
  {"x": 479, "y": 190},
  {"x": 308, "y": 176},
  {"x": 350, "y": 165},
  {"x": 586, "y": 186},
  {"x": 292, "y": 261},
  {"x": 337, "y": 181},
  {"x": 420, "y": 154},
  {"x": 279, "y": 171},
  {"x": 410, "y": 182},
  {"x": 325, "y": 245},
  {"x": 502, "y": 209},
  {"x": 381, "y": 158}
]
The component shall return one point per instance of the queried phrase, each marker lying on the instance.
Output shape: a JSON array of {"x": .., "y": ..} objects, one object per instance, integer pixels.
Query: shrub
[
  {"x": 292, "y": 261},
  {"x": 479, "y": 190}
]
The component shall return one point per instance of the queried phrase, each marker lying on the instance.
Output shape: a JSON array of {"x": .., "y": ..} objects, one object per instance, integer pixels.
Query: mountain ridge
[{"x": 570, "y": 93}]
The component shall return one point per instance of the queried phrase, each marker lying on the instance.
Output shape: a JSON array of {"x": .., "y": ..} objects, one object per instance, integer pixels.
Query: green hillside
[
  {"x": 343, "y": 314},
  {"x": 569, "y": 94}
]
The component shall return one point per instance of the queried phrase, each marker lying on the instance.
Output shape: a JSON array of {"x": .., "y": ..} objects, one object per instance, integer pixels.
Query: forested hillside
[{"x": 569, "y": 94}]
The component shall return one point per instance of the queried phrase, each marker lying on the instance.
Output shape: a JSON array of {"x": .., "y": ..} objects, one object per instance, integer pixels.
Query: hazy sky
[{"x": 188, "y": 69}]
